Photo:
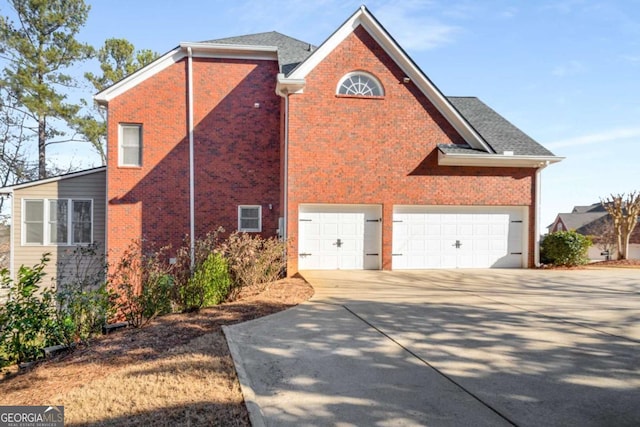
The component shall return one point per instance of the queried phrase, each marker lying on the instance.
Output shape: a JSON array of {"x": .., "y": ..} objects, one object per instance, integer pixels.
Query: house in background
[
  {"x": 594, "y": 221},
  {"x": 55, "y": 215},
  {"x": 346, "y": 150}
]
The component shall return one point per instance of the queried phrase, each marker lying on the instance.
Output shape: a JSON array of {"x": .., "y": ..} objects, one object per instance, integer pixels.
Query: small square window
[
  {"x": 250, "y": 218},
  {"x": 130, "y": 147}
]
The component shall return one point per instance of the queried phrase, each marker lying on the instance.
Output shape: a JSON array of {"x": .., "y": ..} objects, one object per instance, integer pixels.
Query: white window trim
[
  {"x": 46, "y": 226},
  {"x": 121, "y": 127},
  {"x": 373, "y": 78},
  {"x": 70, "y": 229},
  {"x": 250, "y": 230},
  {"x": 23, "y": 219}
]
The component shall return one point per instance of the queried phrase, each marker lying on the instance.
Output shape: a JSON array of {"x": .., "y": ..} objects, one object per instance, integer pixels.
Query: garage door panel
[
  {"x": 486, "y": 238},
  {"x": 339, "y": 237}
]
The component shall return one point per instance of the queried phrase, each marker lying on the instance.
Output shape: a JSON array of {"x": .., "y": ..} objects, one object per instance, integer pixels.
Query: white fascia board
[
  {"x": 199, "y": 50},
  {"x": 285, "y": 86},
  {"x": 8, "y": 190},
  {"x": 166, "y": 60},
  {"x": 219, "y": 50},
  {"x": 496, "y": 160},
  {"x": 363, "y": 17}
]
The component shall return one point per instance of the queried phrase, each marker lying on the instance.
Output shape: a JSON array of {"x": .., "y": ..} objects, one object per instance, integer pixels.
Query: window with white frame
[
  {"x": 81, "y": 221},
  {"x": 33, "y": 214},
  {"x": 250, "y": 218},
  {"x": 57, "y": 221},
  {"x": 130, "y": 147},
  {"x": 360, "y": 83}
]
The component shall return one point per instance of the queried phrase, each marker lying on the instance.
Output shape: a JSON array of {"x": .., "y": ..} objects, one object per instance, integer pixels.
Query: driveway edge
[{"x": 255, "y": 414}]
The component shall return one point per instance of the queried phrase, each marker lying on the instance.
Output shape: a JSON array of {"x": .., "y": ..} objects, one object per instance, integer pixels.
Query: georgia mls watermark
[{"x": 31, "y": 416}]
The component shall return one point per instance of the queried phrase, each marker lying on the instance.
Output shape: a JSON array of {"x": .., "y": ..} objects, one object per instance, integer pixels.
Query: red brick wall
[
  {"x": 237, "y": 153},
  {"x": 381, "y": 151}
]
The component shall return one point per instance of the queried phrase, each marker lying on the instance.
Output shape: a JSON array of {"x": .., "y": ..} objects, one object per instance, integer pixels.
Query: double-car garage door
[{"x": 350, "y": 237}]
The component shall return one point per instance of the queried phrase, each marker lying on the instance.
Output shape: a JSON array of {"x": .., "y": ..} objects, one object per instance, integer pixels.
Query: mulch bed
[
  {"x": 109, "y": 353},
  {"x": 623, "y": 263}
]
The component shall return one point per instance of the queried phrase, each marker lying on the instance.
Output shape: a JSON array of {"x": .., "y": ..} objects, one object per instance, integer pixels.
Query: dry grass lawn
[{"x": 175, "y": 372}]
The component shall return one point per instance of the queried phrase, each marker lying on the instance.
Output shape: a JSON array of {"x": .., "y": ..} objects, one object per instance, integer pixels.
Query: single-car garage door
[
  {"x": 460, "y": 237},
  {"x": 333, "y": 237}
]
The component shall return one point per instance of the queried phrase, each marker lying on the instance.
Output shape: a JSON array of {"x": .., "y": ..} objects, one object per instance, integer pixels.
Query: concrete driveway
[{"x": 444, "y": 347}]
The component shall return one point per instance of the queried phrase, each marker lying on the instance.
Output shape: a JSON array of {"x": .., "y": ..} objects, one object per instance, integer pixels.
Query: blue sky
[{"x": 564, "y": 71}]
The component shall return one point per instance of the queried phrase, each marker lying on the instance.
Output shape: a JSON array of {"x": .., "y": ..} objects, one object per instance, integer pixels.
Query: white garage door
[
  {"x": 462, "y": 237},
  {"x": 333, "y": 237}
]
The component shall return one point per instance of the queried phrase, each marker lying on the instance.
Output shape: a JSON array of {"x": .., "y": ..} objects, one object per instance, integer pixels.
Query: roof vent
[{"x": 507, "y": 153}]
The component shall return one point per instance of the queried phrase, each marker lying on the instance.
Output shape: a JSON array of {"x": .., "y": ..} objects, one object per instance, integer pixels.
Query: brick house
[
  {"x": 347, "y": 150},
  {"x": 594, "y": 221}
]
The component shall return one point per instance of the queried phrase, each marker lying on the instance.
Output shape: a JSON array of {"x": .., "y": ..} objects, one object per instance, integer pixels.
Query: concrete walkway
[{"x": 465, "y": 347}]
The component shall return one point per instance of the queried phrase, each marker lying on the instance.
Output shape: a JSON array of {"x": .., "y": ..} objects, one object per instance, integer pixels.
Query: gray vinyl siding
[{"x": 90, "y": 186}]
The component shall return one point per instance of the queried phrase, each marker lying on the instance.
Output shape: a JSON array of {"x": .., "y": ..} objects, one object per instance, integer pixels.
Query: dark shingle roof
[
  {"x": 596, "y": 207},
  {"x": 497, "y": 131},
  {"x": 291, "y": 51},
  {"x": 580, "y": 221}
]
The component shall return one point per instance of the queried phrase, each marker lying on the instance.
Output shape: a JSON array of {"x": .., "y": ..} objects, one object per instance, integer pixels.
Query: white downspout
[
  {"x": 285, "y": 185},
  {"x": 12, "y": 236},
  {"x": 536, "y": 254},
  {"x": 192, "y": 221}
]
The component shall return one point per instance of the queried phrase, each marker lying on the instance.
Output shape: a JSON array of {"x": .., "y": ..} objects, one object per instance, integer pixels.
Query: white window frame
[
  {"x": 24, "y": 222},
  {"x": 121, "y": 128},
  {"x": 46, "y": 226},
  {"x": 250, "y": 230},
  {"x": 364, "y": 74},
  {"x": 70, "y": 233},
  {"x": 49, "y": 225}
]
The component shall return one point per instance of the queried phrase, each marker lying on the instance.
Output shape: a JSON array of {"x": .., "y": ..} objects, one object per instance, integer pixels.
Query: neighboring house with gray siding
[{"x": 56, "y": 215}]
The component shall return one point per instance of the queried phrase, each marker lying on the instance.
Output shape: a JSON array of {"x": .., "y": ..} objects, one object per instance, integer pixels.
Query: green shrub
[
  {"x": 82, "y": 312},
  {"x": 566, "y": 248},
  {"x": 182, "y": 270},
  {"x": 84, "y": 303},
  {"x": 253, "y": 260},
  {"x": 28, "y": 318},
  {"x": 209, "y": 285}
]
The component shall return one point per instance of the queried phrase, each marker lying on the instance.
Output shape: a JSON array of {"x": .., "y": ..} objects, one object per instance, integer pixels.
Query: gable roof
[
  {"x": 200, "y": 50},
  {"x": 294, "y": 81},
  {"x": 11, "y": 188},
  {"x": 580, "y": 221},
  {"x": 591, "y": 220},
  {"x": 491, "y": 139},
  {"x": 291, "y": 52},
  {"x": 596, "y": 207}
]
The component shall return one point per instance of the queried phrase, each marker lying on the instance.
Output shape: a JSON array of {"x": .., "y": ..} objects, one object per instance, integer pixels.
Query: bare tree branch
[{"x": 624, "y": 211}]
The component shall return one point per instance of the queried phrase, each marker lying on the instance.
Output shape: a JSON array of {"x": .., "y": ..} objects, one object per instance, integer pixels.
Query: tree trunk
[
  {"x": 625, "y": 235},
  {"x": 42, "y": 139}
]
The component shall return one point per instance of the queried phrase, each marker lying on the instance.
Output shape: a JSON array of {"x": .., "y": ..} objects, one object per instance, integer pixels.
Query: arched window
[{"x": 359, "y": 83}]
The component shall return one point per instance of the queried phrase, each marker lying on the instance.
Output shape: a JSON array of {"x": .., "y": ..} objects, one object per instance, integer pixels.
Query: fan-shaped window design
[{"x": 360, "y": 84}]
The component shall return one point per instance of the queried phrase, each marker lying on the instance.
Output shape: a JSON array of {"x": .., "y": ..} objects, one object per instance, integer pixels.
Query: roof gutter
[
  {"x": 495, "y": 160},
  {"x": 286, "y": 86}
]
